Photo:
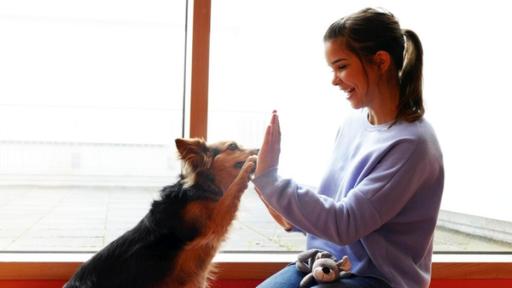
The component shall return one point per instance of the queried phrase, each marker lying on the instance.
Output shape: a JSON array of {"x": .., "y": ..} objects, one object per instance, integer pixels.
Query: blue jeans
[{"x": 290, "y": 277}]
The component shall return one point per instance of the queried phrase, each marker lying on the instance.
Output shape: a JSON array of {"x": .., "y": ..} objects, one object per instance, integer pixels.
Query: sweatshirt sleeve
[{"x": 379, "y": 196}]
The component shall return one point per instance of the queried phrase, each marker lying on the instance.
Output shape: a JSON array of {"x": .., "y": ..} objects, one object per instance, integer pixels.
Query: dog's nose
[
  {"x": 326, "y": 270},
  {"x": 255, "y": 151}
]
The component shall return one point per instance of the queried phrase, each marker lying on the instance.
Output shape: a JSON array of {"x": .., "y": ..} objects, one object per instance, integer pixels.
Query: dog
[{"x": 174, "y": 244}]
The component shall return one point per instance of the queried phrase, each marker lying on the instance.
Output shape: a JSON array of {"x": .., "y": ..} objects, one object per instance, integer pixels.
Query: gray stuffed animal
[{"x": 321, "y": 266}]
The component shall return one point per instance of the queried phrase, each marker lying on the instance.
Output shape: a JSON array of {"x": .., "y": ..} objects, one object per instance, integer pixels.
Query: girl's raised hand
[{"x": 268, "y": 157}]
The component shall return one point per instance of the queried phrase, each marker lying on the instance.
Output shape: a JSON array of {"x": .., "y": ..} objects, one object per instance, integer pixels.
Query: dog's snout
[{"x": 255, "y": 151}]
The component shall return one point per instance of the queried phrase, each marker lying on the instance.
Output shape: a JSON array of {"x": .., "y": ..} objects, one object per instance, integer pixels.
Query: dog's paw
[
  {"x": 241, "y": 182},
  {"x": 247, "y": 169},
  {"x": 250, "y": 164}
]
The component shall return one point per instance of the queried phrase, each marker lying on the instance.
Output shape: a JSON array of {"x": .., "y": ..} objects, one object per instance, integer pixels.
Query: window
[
  {"x": 92, "y": 99},
  {"x": 269, "y": 55}
]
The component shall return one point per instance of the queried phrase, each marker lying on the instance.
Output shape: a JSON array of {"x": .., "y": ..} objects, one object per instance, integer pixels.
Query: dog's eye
[
  {"x": 232, "y": 147},
  {"x": 214, "y": 152}
]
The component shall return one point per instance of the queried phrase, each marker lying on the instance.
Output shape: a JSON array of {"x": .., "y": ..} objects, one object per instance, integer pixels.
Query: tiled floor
[{"x": 87, "y": 218}]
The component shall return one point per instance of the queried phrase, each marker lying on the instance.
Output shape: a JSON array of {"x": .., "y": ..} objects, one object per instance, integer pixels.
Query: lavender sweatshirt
[{"x": 378, "y": 202}]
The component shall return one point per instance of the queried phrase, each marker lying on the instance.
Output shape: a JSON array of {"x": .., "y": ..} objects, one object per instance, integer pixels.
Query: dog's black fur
[{"x": 143, "y": 255}]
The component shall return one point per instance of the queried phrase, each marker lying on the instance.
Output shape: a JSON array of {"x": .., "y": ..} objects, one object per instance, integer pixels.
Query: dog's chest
[{"x": 192, "y": 267}]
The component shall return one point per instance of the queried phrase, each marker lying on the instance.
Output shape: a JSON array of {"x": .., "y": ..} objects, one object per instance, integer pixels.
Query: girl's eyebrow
[{"x": 338, "y": 60}]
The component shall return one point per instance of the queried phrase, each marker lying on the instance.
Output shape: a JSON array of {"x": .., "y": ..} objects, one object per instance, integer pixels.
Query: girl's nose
[{"x": 335, "y": 80}]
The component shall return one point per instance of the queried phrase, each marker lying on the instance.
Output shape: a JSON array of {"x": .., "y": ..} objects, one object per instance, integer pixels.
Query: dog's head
[{"x": 215, "y": 164}]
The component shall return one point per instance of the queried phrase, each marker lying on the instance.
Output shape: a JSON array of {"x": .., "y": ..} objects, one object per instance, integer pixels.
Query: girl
[{"x": 379, "y": 200}]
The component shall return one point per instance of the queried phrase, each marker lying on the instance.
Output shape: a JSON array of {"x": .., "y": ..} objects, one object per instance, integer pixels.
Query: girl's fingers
[
  {"x": 266, "y": 139},
  {"x": 270, "y": 133},
  {"x": 268, "y": 157},
  {"x": 276, "y": 131}
]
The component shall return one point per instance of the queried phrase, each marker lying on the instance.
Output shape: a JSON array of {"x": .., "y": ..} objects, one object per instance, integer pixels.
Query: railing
[{"x": 68, "y": 163}]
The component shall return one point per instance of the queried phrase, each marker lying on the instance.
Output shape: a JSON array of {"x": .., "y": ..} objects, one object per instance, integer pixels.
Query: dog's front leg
[
  {"x": 225, "y": 210},
  {"x": 240, "y": 183}
]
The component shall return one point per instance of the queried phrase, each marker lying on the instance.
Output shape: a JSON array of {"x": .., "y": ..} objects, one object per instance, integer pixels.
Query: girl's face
[{"x": 349, "y": 74}]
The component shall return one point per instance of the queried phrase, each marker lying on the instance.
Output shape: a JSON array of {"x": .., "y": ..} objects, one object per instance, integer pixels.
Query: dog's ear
[{"x": 193, "y": 151}]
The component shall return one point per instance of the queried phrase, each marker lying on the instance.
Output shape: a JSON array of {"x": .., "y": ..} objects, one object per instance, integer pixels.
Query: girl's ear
[{"x": 382, "y": 60}]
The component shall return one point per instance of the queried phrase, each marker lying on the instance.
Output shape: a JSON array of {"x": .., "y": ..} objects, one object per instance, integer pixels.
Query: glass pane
[
  {"x": 91, "y": 103},
  {"x": 269, "y": 55}
]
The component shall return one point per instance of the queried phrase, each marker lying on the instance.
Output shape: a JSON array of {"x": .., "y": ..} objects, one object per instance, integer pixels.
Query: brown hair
[{"x": 368, "y": 31}]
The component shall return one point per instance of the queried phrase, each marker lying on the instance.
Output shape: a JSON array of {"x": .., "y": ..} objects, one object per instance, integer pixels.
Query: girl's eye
[
  {"x": 232, "y": 146},
  {"x": 342, "y": 67}
]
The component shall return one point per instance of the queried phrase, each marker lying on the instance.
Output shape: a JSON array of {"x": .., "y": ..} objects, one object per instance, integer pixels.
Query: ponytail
[{"x": 410, "y": 106}]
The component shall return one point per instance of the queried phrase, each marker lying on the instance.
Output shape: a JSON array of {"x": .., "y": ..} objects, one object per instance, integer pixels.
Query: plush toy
[{"x": 321, "y": 266}]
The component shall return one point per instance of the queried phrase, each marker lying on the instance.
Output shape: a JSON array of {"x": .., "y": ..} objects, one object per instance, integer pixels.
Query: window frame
[{"x": 51, "y": 266}]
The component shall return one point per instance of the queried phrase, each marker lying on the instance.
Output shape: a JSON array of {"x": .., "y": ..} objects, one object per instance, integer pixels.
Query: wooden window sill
[{"x": 40, "y": 266}]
